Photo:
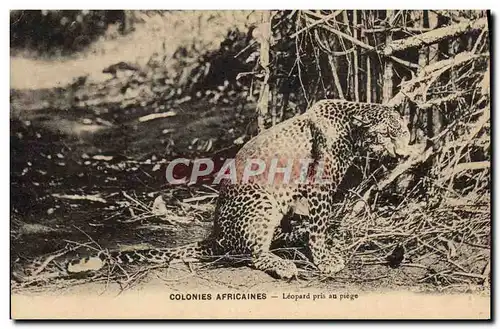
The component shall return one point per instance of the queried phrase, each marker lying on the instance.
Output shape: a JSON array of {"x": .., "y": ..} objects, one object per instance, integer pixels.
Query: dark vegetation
[{"x": 62, "y": 32}]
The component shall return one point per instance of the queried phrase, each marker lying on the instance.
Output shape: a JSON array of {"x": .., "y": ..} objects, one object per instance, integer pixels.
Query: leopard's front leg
[{"x": 325, "y": 251}]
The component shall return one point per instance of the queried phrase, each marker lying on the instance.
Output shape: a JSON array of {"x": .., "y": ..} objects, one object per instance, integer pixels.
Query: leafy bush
[{"x": 59, "y": 31}]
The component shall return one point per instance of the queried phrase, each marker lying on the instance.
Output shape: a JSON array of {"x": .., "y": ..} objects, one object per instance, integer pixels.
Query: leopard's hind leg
[{"x": 251, "y": 229}]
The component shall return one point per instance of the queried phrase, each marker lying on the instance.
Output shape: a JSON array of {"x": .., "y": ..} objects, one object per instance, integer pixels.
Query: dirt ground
[
  {"x": 56, "y": 154},
  {"x": 165, "y": 295},
  {"x": 107, "y": 153}
]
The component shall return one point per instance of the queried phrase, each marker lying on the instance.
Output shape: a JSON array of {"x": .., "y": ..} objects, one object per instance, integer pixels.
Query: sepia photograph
[{"x": 250, "y": 164}]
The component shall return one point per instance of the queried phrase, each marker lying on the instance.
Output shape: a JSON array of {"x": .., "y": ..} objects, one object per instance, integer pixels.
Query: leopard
[{"x": 249, "y": 212}]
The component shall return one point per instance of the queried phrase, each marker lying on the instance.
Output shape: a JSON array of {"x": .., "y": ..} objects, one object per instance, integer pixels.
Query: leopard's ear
[{"x": 357, "y": 120}]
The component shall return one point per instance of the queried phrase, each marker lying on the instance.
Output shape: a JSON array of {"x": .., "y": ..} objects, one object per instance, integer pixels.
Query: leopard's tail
[{"x": 194, "y": 251}]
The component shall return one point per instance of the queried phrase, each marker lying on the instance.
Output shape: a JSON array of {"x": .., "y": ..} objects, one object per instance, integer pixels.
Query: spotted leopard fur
[{"x": 248, "y": 215}]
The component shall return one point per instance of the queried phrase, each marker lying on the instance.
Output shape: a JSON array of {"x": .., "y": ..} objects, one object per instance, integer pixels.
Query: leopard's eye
[
  {"x": 384, "y": 132},
  {"x": 382, "y": 135}
]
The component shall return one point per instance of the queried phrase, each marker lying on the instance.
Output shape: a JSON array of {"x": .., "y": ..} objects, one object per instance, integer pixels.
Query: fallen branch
[
  {"x": 153, "y": 116},
  {"x": 403, "y": 167},
  {"x": 478, "y": 126},
  {"x": 201, "y": 198},
  {"x": 360, "y": 43},
  {"x": 431, "y": 72},
  {"x": 435, "y": 36},
  {"x": 47, "y": 261},
  {"x": 468, "y": 166},
  {"x": 398, "y": 171},
  {"x": 329, "y": 51},
  {"x": 94, "y": 198},
  {"x": 439, "y": 101},
  {"x": 137, "y": 202},
  {"x": 324, "y": 19},
  {"x": 470, "y": 275},
  {"x": 336, "y": 79},
  {"x": 339, "y": 33}
]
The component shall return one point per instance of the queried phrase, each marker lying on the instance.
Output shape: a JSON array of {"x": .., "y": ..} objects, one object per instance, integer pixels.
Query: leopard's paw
[
  {"x": 276, "y": 266},
  {"x": 286, "y": 270},
  {"x": 332, "y": 266}
]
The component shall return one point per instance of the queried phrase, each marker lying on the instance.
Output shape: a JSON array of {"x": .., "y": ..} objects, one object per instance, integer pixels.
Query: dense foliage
[{"x": 60, "y": 31}]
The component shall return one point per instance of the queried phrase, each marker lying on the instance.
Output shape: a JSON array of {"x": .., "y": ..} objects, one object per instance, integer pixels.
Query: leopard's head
[{"x": 389, "y": 133}]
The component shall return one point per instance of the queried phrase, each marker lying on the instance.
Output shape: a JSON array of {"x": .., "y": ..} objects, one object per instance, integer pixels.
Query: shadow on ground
[{"x": 90, "y": 173}]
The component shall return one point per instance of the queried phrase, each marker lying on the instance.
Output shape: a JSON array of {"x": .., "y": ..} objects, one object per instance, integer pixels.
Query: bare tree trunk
[
  {"x": 263, "y": 36},
  {"x": 423, "y": 61},
  {"x": 388, "y": 70},
  {"x": 336, "y": 79},
  {"x": 434, "y": 120},
  {"x": 377, "y": 66},
  {"x": 349, "y": 58},
  {"x": 334, "y": 64},
  {"x": 355, "y": 56},
  {"x": 368, "y": 80},
  {"x": 368, "y": 66},
  {"x": 436, "y": 35},
  {"x": 375, "y": 81},
  {"x": 284, "y": 105},
  {"x": 370, "y": 92},
  {"x": 127, "y": 25},
  {"x": 274, "y": 105}
]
